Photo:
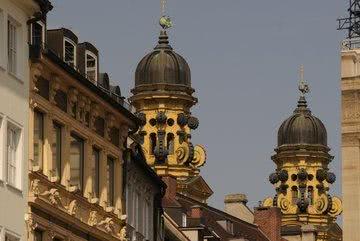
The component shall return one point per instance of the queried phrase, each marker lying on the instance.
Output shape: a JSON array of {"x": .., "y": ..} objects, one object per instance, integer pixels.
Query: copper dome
[
  {"x": 302, "y": 128},
  {"x": 163, "y": 66}
]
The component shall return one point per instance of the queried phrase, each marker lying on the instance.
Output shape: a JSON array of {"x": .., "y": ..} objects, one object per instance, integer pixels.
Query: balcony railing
[{"x": 35, "y": 50}]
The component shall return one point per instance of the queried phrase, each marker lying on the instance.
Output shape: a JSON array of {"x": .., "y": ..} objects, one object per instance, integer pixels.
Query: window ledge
[
  {"x": 16, "y": 189},
  {"x": 16, "y": 77}
]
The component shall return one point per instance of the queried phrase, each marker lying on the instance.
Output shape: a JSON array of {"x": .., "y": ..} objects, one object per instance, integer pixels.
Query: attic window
[
  {"x": 184, "y": 220},
  {"x": 91, "y": 66},
  {"x": 37, "y": 33},
  {"x": 229, "y": 227},
  {"x": 69, "y": 52}
]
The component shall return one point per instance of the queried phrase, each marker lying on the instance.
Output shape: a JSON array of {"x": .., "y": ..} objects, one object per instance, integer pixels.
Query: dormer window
[
  {"x": 38, "y": 33},
  {"x": 69, "y": 52},
  {"x": 91, "y": 66}
]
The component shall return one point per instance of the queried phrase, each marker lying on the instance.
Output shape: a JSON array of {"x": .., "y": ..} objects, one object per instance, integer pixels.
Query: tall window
[
  {"x": 95, "y": 171},
  {"x": 184, "y": 220},
  {"x": 294, "y": 194},
  {"x": 38, "y": 235},
  {"x": 56, "y": 147},
  {"x": 76, "y": 161},
  {"x": 170, "y": 143},
  {"x": 311, "y": 195},
  {"x": 37, "y": 33},
  {"x": 13, "y": 155},
  {"x": 152, "y": 143},
  {"x": 2, "y": 38},
  {"x": 38, "y": 138},
  {"x": 91, "y": 66},
  {"x": 12, "y": 49},
  {"x": 110, "y": 181},
  {"x": 69, "y": 52}
]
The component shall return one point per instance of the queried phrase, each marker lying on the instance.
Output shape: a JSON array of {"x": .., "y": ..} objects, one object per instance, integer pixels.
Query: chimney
[
  {"x": 196, "y": 212},
  {"x": 269, "y": 221},
  {"x": 171, "y": 184},
  {"x": 235, "y": 205}
]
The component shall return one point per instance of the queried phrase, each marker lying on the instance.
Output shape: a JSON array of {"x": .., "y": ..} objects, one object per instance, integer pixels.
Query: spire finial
[
  {"x": 304, "y": 88},
  {"x": 165, "y": 21},
  {"x": 303, "y": 85}
]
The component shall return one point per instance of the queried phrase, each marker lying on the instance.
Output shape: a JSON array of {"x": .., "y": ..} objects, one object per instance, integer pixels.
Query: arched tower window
[
  {"x": 311, "y": 194},
  {"x": 152, "y": 143},
  {"x": 170, "y": 143},
  {"x": 294, "y": 194}
]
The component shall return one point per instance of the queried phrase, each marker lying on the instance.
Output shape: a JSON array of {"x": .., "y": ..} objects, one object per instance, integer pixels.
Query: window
[
  {"x": 56, "y": 148},
  {"x": 110, "y": 181},
  {"x": 13, "y": 155},
  {"x": 91, "y": 66},
  {"x": 37, "y": 33},
  {"x": 61, "y": 100},
  {"x": 100, "y": 126},
  {"x": 294, "y": 194},
  {"x": 12, "y": 48},
  {"x": 95, "y": 172},
  {"x": 38, "y": 235},
  {"x": 184, "y": 220},
  {"x": 170, "y": 143},
  {"x": 69, "y": 52},
  {"x": 311, "y": 195},
  {"x": 9, "y": 237},
  {"x": 76, "y": 161},
  {"x": 152, "y": 143},
  {"x": 38, "y": 138}
]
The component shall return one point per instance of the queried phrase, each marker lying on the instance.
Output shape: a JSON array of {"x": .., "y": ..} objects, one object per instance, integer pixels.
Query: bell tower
[
  {"x": 302, "y": 178},
  {"x": 163, "y": 97}
]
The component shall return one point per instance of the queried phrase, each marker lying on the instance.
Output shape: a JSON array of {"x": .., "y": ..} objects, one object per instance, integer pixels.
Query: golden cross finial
[
  {"x": 165, "y": 21},
  {"x": 303, "y": 85}
]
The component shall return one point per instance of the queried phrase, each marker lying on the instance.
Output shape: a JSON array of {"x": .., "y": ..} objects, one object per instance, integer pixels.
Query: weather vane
[
  {"x": 165, "y": 21},
  {"x": 303, "y": 85}
]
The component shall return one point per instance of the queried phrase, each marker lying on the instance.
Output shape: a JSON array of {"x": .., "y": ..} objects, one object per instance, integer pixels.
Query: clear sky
[{"x": 244, "y": 57}]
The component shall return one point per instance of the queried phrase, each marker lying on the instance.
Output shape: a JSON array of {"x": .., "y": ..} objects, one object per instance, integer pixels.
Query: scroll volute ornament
[
  {"x": 182, "y": 153},
  {"x": 199, "y": 156},
  {"x": 336, "y": 207},
  {"x": 285, "y": 205}
]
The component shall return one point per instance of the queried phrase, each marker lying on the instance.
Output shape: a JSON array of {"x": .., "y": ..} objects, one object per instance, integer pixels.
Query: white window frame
[
  {"x": 2, "y": 147},
  {"x": 43, "y": 32},
  {"x": 183, "y": 220},
  {"x": 75, "y": 49},
  {"x": 87, "y": 52},
  {"x": 18, "y": 155},
  {"x": 3, "y": 47},
  {"x": 19, "y": 45}
]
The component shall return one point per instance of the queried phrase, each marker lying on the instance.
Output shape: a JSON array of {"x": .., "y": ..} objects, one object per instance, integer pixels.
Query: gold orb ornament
[{"x": 165, "y": 22}]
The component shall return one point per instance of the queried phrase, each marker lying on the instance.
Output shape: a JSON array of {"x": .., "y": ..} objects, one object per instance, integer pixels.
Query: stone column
[
  {"x": 88, "y": 179},
  {"x": 102, "y": 170},
  {"x": 66, "y": 156},
  {"x": 48, "y": 165},
  {"x": 118, "y": 186}
]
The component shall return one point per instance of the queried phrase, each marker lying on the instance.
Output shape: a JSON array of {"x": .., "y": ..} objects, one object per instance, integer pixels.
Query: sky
[{"x": 244, "y": 57}]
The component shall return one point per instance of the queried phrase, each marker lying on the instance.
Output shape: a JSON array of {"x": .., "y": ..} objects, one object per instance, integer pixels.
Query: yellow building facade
[
  {"x": 302, "y": 179},
  {"x": 163, "y": 97}
]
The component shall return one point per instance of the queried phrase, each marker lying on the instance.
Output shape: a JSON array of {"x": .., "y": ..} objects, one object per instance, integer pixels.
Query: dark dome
[
  {"x": 302, "y": 128},
  {"x": 163, "y": 66}
]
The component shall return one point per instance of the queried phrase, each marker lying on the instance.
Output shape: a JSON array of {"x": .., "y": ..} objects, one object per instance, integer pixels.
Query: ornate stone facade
[
  {"x": 350, "y": 144},
  {"x": 78, "y": 130}
]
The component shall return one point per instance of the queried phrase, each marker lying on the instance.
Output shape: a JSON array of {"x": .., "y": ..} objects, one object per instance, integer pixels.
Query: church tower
[
  {"x": 302, "y": 178},
  {"x": 163, "y": 97}
]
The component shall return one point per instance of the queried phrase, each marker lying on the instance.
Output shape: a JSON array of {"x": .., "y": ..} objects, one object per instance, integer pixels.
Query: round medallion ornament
[
  {"x": 182, "y": 119},
  {"x": 273, "y": 178},
  {"x": 330, "y": 177},
  {"x": 161, "y": 118},
  {"x": 193, "y": 123},
  {"x": 321, "y": 175},
  {"x": 283, "y": 175},
  {"x": 302, "y": 175}
]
